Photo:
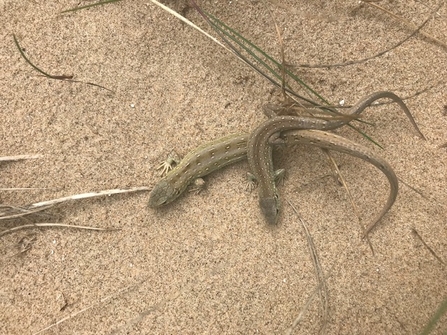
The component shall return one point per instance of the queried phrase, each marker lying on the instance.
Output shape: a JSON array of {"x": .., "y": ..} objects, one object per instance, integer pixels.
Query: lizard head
[
  {"x": 270, "y": 208},
  {"x": 161, "y": 194}
]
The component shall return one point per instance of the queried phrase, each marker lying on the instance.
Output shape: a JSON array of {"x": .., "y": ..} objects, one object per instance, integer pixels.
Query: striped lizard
[
  {"x": 201, "y": 161},
  {"x": 216, "y": 154},
  {"x": 268, "y": 133},
  {"x": 232, "y": 148},
  {"x": 326, "y": 140}
]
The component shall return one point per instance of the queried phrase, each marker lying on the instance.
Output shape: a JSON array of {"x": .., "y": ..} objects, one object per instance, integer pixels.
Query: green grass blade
[
  {"x": 240, "y": 40},
  {"x": 249, "y": 63},
  {"x": 88, "y": 6},
  {"x": 29, "y": 62},
  {"x": 439, "y": 313},
  {"x": 63, "y": 77}
]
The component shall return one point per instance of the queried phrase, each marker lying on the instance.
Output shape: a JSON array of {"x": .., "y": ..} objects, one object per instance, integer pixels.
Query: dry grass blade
[
  {"x": 101, "y": 301},
  {"x": 53, "y": 225},
  {"x": 20, "y": 188},
  {"x": 18, "y": 158},
  {"x": 189, "y": 23},
  {"x": 398, "y": 44},
  {"x": 415, "y": 232},
  {"x": 319, "y": 274},
  {"x": 342, "y": 180},
  {"x": 87, "y": 195},
  {"x": 281, "y": 45},
  {"x": 13, "y": 212},
  {"x": 9, "y": 212},
  {"x": 426, "y": 197},
  {"x": 348, "y": 192},
  {"x": 408, "y": 23},
  {"x": 88, "y": 6},
  {"x": 58, "y": 77},
  {"x": 304, "y": 310}
]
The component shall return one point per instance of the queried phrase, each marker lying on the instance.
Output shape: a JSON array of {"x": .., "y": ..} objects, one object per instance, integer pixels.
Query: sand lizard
[
  {"x": 334, "y": 142},
  {"x": 201, "y": 161},
  {"x": 262, "y": 138},
  {"x": 214, "y": 155},
  {"x": 230, "y": 149}
]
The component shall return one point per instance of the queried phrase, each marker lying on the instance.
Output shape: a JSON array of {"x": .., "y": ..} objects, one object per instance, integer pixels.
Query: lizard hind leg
[
  {"x": 251, "y": 181},
  {"x": 197, "y": 186}
]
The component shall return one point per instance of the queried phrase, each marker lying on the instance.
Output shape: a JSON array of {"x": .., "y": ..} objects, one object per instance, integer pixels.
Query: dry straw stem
[
  {"x": 53, "y": 225},
  {"x": 87, "y": 195},
  {"x": 95, "y": 304},
  {"x": 322, "y": 286},
  {"x": 381, "y": 53},
  {"x": 303, "y": 311},
  {"x": 9, "y": 212},
  {"x": 185, "y": 20},
  {"x": 18, "y": 158},
  {"x": 409, "y": 24}
]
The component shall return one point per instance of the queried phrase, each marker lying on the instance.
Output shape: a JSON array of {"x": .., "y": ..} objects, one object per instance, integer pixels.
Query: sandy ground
[{"x": 208, "y": 264}]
